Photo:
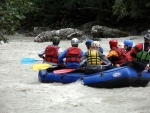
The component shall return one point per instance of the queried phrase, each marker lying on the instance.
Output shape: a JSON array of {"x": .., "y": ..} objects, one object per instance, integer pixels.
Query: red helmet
[{"x": 113, "y": 43}]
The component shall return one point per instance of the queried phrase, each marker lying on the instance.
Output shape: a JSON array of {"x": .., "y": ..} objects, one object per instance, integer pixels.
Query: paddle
[
  {"x": 61, "y": 71},
  {"x": 40, "y": 66},
  {"x": 28, "y": 60}
]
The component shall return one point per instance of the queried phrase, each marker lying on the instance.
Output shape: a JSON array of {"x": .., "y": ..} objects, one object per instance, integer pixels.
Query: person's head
[
  {"x": 56, "y": 40},
  {"x": 147, "y": 38},
  {"x": 95, "y": 45},
  {"x": 113, "y": 43},
  {"x": 74, "y": 42},
  {"x": 128, "y": 44},
  {"x": 88, "y": 43}
]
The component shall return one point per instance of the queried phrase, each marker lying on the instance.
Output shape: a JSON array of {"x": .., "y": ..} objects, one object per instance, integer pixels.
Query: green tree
[
  {"x": 12, "y": 12},
  {"x": 135, "y": 9}
]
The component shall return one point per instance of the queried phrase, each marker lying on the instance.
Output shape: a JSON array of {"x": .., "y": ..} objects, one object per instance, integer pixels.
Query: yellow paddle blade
[{"x": 40, "y": 66}]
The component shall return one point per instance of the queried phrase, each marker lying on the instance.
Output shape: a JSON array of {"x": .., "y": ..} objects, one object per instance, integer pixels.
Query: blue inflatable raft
[
  {"x": 48, "y": 77},
  {"x": 117, "y": 77}
]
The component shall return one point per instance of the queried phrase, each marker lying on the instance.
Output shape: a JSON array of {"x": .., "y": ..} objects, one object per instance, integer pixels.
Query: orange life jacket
[
  {"x": 51, "y": 54},
  {"x": 121, "y": 58},
  {"x": 73, "y": 54}
]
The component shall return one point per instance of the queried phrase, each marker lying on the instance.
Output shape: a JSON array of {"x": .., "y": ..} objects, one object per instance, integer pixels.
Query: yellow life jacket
[{"x": 93, "y": 57}]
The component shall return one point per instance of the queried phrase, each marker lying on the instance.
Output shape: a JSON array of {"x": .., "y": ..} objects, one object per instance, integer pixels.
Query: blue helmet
[
  {"x": 88, "y": 42},
  {"x": 128, "y": 42}
]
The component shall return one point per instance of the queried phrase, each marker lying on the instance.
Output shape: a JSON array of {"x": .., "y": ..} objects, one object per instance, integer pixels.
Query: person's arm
[
  {"x": 82, "y": 53},
  {"x": 136, "y": 49},
  {"x": 148, "y": 66},
  {"x": 41, "y": 53},
  {"x": 60, "y": 51},
  {"x": 62, "y": 56},
  {"x": 83, "y": 58},
  {"x": 112, "y": 55},
  {"x": 104, "y": 59},
  {"x": 101, "y": 49},
  {"x": 133, "y": 52}
]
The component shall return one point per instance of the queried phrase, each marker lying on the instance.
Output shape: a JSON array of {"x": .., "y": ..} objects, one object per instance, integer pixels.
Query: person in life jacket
[
  {"x": 93, "y": 57},
  {"x": 141, "y": 54},
  {"x": 116, "y": 55},
  {"x": 128, "y": 44},
  {"x": 88, "y": 45},
  {"x": 72, "y": 55},
  {"x": 51, "y": 52}
]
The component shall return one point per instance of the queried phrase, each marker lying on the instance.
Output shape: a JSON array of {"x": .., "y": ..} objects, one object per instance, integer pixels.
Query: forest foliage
[{"x": 25, "y": 14}]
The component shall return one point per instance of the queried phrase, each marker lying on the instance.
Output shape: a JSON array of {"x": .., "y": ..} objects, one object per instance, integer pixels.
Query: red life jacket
[
  {"x": 137, "y": 48},
  {"x": 51, "y": 54},
  {"x": 128, "y": 56},
  {"x": 73, "y": 54},
  {"x": 121, "y": 56}
]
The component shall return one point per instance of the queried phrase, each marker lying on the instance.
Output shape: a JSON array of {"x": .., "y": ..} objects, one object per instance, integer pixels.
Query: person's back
[
  {"x": 51, "y": 52},
  {"x": 141, "y": 54},
  {"x": 116, "y": 55},
  {"x": 94, "y": 56},
  {"x": 72, "y": 55}
]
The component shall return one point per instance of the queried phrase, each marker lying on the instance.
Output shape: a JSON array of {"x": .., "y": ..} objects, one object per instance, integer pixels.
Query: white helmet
[
  {"x": 95, "y": 44},
  {"x": 74, "y": 41}
]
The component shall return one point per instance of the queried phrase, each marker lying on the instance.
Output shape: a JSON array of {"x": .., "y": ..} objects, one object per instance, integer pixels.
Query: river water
[{"x": 21, "y": 92}]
